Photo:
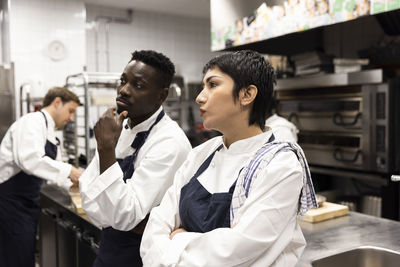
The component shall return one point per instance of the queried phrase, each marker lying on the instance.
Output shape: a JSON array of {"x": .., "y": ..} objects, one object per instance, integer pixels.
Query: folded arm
[{"x": 265, "y": 216}]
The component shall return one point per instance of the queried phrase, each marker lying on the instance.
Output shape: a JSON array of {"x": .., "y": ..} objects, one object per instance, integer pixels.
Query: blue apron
[
  {"x": 19, "y": 215},
  {"x": 121, "y": 248},
  {"x": 199, "y": 210}
]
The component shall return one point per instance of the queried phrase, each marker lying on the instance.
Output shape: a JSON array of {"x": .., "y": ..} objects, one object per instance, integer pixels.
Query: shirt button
[{"x": 212, "y": 164}]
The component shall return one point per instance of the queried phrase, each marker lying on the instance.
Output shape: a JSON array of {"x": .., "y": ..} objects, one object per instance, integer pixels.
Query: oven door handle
[
  {"x": 338, "y": 119},
  {"x": 338, "y": 155}
]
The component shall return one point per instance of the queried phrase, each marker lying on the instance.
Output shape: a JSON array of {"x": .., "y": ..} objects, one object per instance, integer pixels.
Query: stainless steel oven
[{"x": 351, "y": 126}]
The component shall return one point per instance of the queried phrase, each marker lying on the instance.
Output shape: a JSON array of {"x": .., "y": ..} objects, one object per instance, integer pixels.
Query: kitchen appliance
[{"x": 350, "y": 126}]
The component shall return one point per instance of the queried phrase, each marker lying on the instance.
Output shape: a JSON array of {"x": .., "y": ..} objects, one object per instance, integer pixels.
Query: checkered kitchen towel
[{"x": 261, "y": 160}]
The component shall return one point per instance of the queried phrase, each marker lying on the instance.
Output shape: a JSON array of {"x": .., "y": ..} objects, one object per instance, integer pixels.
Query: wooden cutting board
[
  {"x": 327, "y": 211},
  {"x": 77, "y": 201}
]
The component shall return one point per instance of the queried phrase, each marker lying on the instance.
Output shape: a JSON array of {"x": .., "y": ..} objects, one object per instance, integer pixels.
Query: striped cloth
[{"x": 260, "y": 161}]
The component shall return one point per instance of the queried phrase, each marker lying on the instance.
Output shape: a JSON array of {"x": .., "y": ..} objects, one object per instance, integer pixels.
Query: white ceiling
[{"x": 190, "y": 8}]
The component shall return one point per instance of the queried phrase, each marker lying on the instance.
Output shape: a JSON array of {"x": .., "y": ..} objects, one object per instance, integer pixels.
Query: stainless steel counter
[
  {"x": 323, "y": 238},
  {"x": 343, "y": 233},
  {"x": 62, "y": 198}
]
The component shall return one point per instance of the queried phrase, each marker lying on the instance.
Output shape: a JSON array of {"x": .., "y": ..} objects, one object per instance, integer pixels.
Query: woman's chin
[{"x": 208, "y": 126}]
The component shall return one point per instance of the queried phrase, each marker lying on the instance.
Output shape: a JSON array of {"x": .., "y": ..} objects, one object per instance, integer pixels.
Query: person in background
[
  {"x": 136, "y": 158},
  {"x": 235, "y": 200},
  {"x": 28, "y": 155},
  {"x": 283, "y": 129}
]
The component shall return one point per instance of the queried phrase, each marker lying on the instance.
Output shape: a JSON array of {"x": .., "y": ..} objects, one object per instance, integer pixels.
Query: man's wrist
[{"x": 105, "y": 148}]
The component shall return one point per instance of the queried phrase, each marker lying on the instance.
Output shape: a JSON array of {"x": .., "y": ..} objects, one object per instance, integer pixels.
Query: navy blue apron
[
  {"x": 19, "y": 215},
  {"x": 121, "y": 248},
  {"x": 199, "y": 210}
]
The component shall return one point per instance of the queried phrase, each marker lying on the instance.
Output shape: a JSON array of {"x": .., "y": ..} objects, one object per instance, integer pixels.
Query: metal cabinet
[
  {"x": 65, "y": 238},
  {"x": 48, "y": 238},
  {"x": 66, "y": 243}
]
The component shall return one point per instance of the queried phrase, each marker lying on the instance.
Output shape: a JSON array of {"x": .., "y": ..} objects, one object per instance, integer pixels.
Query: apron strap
[
  {"x": 127, "y": 164},
  {"x": 45, "y": 119},
  {"x": 206, "y": 163}
]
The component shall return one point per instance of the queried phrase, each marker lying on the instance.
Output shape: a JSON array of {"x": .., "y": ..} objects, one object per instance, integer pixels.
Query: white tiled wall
[
  {"x": 34, "y": 24},
  {"x": 186, "y": 41}
]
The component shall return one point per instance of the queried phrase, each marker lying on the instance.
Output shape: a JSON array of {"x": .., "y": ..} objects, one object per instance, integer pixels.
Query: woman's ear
[{"x": 247, "y": 95}]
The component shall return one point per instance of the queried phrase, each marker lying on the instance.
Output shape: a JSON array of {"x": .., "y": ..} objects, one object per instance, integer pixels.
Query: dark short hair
[
  {"x": 158, "y": 61},
  {"x": 61, "y": 92},
  {"x": 247, "y": 68}
]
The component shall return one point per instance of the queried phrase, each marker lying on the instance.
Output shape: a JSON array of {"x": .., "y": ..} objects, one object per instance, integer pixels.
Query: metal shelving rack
[
  {"x": 173, "y": 104},
  {"x": 7, "y": 103},
  {"x": 90, "y": 88}
]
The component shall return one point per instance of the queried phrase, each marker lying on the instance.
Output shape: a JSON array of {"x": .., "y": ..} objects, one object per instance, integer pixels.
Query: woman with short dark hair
[{"x": 235, "y": 200}]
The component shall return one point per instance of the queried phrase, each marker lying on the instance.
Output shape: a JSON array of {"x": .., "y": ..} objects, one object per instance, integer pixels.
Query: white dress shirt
[
  {"x": 23, "y": 149},
  {"x": 109, "y": 201},
  {"x": 267, "y": 232},
  {"x": 283, "y": 129}
]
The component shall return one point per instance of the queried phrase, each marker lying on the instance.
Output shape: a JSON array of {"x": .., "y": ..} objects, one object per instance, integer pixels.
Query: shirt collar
[
  {"x": 50, "y": 121},
  {"x": 145, "y": 125},
  {"x": 250, "y": 144}
]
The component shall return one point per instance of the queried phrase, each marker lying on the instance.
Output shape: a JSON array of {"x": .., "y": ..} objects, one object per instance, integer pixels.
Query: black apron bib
[
  {"x": 121, "y": 248},
  {"x": 201, "y": 211},
  {"x": 19, "y": 215}
]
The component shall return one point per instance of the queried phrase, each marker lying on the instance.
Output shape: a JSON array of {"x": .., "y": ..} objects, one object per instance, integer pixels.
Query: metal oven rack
[{"x": 97, "y": 92}]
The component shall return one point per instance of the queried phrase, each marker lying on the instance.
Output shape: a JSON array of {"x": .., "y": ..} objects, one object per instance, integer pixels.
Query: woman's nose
[{"x": 201, "y": 97}]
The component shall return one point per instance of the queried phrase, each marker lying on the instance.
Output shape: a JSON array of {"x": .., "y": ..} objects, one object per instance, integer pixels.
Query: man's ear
[
  {"x": 247, "y": 95},
  {"x": 163, "y": 95},
  {"x": 56, "y": 102}
]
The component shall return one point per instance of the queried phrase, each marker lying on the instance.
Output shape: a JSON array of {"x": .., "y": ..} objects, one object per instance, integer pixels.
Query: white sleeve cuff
[
  {"x": 63, "y": 174},
  {"x": 104, "y": 180},
  {"x": 178, "y": 245}
]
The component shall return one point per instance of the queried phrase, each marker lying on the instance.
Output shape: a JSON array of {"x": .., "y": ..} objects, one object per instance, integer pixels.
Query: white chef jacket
[
  {"x": 23, "y": 149},
  {"x": 109, "y": 201},
  {"x": 267, "y": 233},
  {"x": 283, "y": 129}
]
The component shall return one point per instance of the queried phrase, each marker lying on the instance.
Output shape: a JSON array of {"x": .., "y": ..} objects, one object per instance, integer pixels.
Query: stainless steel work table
[
  {"x": 61, "y": 197},
  {"x": 323, "y": 238},
  {"x": 348, "y": 232}
]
